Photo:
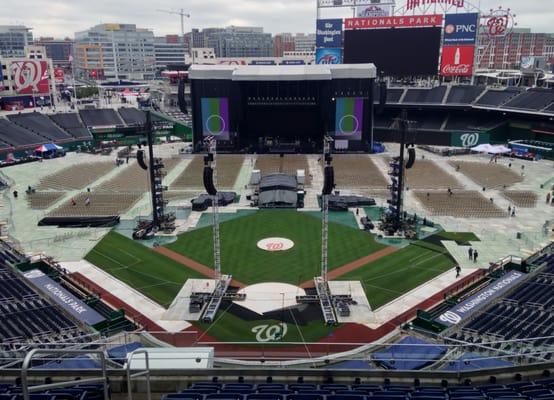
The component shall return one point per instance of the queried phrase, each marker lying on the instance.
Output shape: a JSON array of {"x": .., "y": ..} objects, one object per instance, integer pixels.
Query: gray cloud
[{"x": 61, "y": 18}]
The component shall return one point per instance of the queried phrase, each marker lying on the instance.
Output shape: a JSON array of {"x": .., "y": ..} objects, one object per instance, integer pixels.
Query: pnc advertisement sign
[
  {"x": 457, "y": 60},
  {"x": 329, "y": 33},
  {"x": 30, "y": 76},
  {"x": 461, "y": 29},
  {"x": 328, "y": 56},
  {"x": 407, "y": 21}
]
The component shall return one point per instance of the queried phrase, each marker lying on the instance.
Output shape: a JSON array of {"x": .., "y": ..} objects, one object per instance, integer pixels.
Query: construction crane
[{"x": 180, "y": 12}]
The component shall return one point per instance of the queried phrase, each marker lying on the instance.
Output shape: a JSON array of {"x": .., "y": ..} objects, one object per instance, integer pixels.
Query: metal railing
[
  {"x": 145, "y": 372},
  {"x": 27, "y": 390}
]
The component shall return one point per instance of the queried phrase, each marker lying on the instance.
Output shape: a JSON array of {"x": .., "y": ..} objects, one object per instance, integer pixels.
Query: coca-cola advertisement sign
[
  {"x": 457, "y": 60},
  {"x": 59, "y": 76}
]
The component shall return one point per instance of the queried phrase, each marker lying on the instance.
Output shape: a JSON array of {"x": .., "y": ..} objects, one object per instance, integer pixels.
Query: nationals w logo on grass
[{"x": 270, "y": 333}]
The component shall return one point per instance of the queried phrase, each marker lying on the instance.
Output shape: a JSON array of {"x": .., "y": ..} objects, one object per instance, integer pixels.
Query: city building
[
  {"x": 304, "y": 42},
  {"x": 233, "y": 41},
  {"x": 506, "y": 52},
  {"x": 13, "y": 39},
  {"x": 282, "y": 42},
  {"x": 169, "y": 50},
  {"x": 27, "y": 80},
  {"x": 59, "y": 50},
  {"x": 115, "y": 51}
]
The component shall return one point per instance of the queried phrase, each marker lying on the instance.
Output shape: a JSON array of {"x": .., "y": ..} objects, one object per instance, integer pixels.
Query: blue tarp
[
  {"x": 470, "y": 361},
  {"x": 352, "y": 364},
  {"x": 408, "y": 354},
  {"x": 81, "y": 362},
  {"x": 120, "y": 352}
]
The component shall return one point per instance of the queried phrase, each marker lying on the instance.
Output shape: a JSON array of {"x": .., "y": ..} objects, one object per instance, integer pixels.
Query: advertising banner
[
  {"x": 328, "y": 56},
  {"x": 457, "y": 60},
  {"x": 262, "y": 62},
  {"x": 408, "y": 21},
  {"x": 293, "y": 62},
  {"x": 461, "y": 311},
  {"x": 215, "y": 117},
  {"x": 413, "y": 4},
  {"x": 460, "y": 29},
  {"x": 328, "y": 33},
  {"x": 59, "y": 76},
  {"x": 374, "y": 10},
  {"x": 66, "y": 300},
  {"x": 349, "y": 118},
  {"x": 30, "y": 76},
  {"x": 469, "y": 139}
]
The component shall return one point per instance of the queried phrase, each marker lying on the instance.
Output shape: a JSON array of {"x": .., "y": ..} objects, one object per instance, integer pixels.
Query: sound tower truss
[
  {"x": 394, "y": 221},
  {"x": 321, "y": 282},
  {"x": 161, "y": 220},
  {"x": 222, "y": 282}
]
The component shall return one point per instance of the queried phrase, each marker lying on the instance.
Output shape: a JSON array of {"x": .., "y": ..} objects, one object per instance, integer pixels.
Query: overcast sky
[{"x": 62, "y": 18}]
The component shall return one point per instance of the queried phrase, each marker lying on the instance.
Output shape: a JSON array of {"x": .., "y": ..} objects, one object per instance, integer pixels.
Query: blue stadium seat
[
  {"x": 224, "y": 396},
  {"x": 264, "y": 396},
  {"x": 299, "y": 396}
]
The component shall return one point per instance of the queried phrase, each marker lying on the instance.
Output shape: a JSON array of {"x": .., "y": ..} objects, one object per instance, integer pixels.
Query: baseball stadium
[{"x": 330, "y": 231}]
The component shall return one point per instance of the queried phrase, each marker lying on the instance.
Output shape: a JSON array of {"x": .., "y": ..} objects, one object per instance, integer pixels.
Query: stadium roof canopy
[{"x": 283, "y": 72}]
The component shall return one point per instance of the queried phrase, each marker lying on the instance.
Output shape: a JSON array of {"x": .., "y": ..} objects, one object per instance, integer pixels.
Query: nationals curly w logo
[
  {"x": 469, "y": 139},
  {"x": 270, "y": 333},
  {"x": 30, "y": 77}
]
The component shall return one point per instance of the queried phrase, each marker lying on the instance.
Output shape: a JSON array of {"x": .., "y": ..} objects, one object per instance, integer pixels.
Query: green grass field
[
  {"x": 398, "y": 273},
  {"x": 248, "y": 264},
  {"x": 384, "y": 280},
  {"x": 158, "y": 277}
]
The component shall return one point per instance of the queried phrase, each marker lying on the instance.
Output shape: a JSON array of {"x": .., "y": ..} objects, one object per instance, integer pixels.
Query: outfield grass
[
  {"x": 158, "y": 277},
  {"x": 398, "y": 273},
  {"x": 230, "y": 328},
  {"x": 462, "y": 238},
  {"x": 248, "y": 264}
]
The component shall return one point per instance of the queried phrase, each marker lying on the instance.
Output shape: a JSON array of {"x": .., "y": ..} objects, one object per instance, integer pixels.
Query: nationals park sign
[{"x": 411, "y": 21}]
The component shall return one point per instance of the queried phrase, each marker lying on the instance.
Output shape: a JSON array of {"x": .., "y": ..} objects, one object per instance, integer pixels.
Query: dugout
[{"x": 283, "y": 108}]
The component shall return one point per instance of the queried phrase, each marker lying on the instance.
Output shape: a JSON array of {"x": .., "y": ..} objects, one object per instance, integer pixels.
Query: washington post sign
[{"x": 329, "y": 33}]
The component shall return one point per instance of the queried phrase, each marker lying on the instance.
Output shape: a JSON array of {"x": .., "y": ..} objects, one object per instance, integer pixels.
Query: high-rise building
[
  {"x": 58, "y": 50},
  {"x": 243, "y": 41},
  {"x": 506, "y": 52},
  {"x": 169, "y": 50},
  {"x": 282, "y": 42},
  {"x": 304, "y": 42},
  {"x": 115, "y": 51},
  {"x": 13, "y": 39}
]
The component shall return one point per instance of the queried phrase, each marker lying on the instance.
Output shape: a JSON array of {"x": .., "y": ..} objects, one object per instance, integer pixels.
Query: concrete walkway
[
  {"x": 416, "y": 296},
  {"x": 147, "y": 307}
]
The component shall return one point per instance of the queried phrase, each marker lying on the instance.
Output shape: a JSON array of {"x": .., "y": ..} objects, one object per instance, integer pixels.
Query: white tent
[{"x": 490, "y": 149}]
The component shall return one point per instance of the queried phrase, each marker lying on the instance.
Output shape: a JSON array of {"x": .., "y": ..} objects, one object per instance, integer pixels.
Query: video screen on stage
[
  {"x": 215, "y": 117},
  {"x": 349, "y": 118},
  {"x": 397, "y": 52}
]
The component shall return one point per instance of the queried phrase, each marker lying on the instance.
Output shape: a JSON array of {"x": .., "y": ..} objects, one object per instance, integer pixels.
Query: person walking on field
[
  {"x": 458, "y": 271},
  {"x": 475, "y": 255},
  {"x": 470, "y": 253}
]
